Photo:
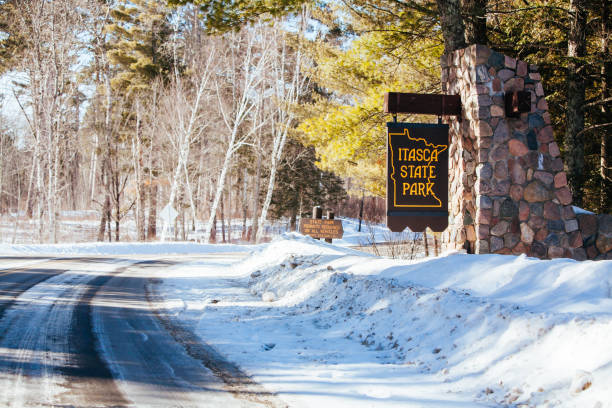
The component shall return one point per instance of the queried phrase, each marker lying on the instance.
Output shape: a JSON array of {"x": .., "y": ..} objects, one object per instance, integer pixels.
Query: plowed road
[{"x": 90, "y": 332}]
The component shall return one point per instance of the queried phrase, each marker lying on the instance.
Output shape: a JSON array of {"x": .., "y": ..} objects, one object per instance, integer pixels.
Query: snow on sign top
[{"x": 168, "y": 214}]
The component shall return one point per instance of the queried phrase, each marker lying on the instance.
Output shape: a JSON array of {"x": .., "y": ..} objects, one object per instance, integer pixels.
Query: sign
[
  {"x": 168, "y": 214},
  {"x": 417, "y": 176},
  {"x": 318, "y": 228}
]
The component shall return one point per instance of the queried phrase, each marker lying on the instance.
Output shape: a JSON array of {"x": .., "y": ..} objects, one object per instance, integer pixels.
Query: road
[{"x": 91, "y": 332}]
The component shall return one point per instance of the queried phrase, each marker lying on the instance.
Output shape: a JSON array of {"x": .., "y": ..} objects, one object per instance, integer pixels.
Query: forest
[{"x": 249, "y": 111}]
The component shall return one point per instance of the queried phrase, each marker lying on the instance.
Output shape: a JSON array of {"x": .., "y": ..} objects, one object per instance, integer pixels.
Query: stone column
[{"x": 508, "y": 192}]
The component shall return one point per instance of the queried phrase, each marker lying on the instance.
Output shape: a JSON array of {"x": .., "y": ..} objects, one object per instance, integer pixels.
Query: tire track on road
[
  {"x": 47, "y": 349},
  {"x": 10, "y": 291},
  {"x": 91, "y": 380}
]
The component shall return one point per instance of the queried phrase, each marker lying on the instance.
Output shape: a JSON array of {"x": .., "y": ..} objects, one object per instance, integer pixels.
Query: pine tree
[
  {"x": 139, "y": 48},
  {"x": 139, "y": 55},
  {"x": 302, "y": 185},
  {"x": 12, "y": 41}
]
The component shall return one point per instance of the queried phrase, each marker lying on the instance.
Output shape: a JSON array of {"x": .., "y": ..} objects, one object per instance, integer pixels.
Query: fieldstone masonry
[{"x": 508, "y": 193}]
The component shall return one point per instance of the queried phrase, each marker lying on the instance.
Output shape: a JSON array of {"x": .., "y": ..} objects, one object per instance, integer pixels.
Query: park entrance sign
[
  {"x": 417, "y": 176},
  {"x": 417, "y": 162}
]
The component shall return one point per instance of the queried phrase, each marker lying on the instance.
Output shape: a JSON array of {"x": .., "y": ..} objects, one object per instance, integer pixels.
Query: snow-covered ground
[
  {"x": 121, "y": 248},
  {"x": 82, "y": 227},
  {"x": 369, "y": 233},
  {"x": 326, "y": 326}
]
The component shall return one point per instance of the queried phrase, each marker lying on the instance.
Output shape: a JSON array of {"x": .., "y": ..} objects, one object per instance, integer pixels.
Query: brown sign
[
  {"x": 318, "y": 228},
  {"x": 417, "y": 176}
]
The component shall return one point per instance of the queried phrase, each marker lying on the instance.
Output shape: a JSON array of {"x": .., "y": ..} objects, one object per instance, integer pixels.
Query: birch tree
[
  {"x": 288, "y": 85},
  {"x": 186, "y": 121},
  {"x": 48, "y": 62},
  {"x": 237, "y": 83}
]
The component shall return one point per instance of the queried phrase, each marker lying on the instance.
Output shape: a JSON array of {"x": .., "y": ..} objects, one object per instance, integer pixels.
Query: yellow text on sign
[{"x": 429, "y": 154}]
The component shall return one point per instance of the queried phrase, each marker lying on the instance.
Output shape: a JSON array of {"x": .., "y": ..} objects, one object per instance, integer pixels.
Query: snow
[
  {"x": 118, "y": 248},
  {"x": 328, "y": 326},
  {"x": 369, "y": 233},
  {"x": 579, "y": 210},
  {"x": 32, "y": 363}
]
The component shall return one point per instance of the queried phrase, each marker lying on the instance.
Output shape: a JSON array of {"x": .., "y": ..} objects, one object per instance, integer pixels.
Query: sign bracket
[{"x": 425, "y": 104}]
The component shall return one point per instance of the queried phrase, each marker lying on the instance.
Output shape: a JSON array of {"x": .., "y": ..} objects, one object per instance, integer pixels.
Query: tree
[
  {"x": 245, "y": 59},
  {"x": 302, "y": 185},
  {"x": 605, "y": 183},
  {"x": 186, "y": 121},
  {"x": 12, "y": 40},
  {"x": 289, "y": 85},
  {"x": 138, "y": 55},
  {"x": 48, "y": 61},
  {"x": 576, "y": 88}
]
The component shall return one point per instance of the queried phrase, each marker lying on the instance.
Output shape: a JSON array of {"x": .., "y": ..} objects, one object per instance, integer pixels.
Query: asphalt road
[{"x": 92, "y": 332}]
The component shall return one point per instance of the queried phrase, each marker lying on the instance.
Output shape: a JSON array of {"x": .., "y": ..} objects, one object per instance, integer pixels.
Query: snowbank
[{"x": 328, "y": 326}]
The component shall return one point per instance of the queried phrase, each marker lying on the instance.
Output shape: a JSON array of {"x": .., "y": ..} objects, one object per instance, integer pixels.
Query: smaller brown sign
[{"x": 318, "y": 228}]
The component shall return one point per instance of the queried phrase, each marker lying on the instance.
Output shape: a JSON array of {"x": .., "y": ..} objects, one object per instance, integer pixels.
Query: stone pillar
[{"x": 508, "y": 192}]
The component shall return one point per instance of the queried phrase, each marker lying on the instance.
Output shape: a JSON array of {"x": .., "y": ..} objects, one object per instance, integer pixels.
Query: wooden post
[
  {"x": 436, "y": 243},
  {"x": 425, "y": 243},
  {"x": 361, "y": 209},
  {"x": 317, "y": 212},
  {"x": 330, "y": 216}
]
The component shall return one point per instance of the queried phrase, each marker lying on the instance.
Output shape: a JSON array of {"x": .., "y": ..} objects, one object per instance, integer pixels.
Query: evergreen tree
[
  {"x": 136, "y": 55},
  {"x": 12, "y": 41},
  {"x": 139, "y": 47},
  {"x": 301, "y": 185}
]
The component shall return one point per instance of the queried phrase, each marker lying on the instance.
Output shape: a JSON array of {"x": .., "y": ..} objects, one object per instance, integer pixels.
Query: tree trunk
[
  {"x": 29, "y": 206},
  {"x": 183, "y": 230},
  {"x": 93, "y": 168},
  {"x": 574, "y": 139},
  {"x": 476, "y": 21},
  {"x": 192, "y": 204},
  {"x": 140, "y": 184},
  {"x": 606, "y": 70},
  {"x": 268, "y": 199},
  {"x": 451, "y": 21},
  {"x": 229, "y": 210},
  {"x": 255, "y": 202},
  {"x": 182, "y": 155},
  {"x": 152, "y": 224},
  {"x": 213, "y": 231},
  {"x": 117, "y": 212},
  {"x": 39, "y": 199},
  {"x": 245, "y": 204},
  {"x": 222, "y": 220},
  {"x": 293, "y": 222},
  {"x": 103, "y": 219},
  {"x": 220, "y": 187}
]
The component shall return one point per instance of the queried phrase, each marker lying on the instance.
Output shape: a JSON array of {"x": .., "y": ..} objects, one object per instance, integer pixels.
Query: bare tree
[
  {"x": 186, "y": 121},
  {"x": 288, "y": 85},
  {"x": 49, "y": 63},
  {"x": 237, "y": 82}
]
